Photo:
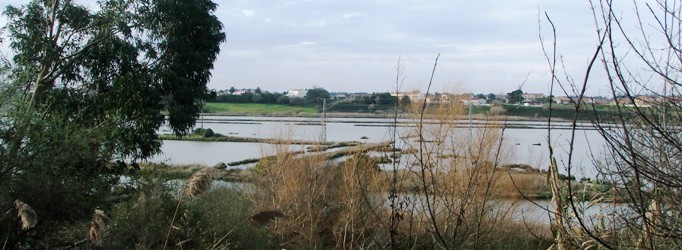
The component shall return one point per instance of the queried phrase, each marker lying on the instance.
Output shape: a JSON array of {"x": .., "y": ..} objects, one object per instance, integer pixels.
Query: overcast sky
[{"x": 486, "y": 46}]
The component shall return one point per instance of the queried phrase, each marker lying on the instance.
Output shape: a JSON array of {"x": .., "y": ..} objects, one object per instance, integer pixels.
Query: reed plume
[
  {"x": 28, "y": 217},
  {"x": 200, "y": 182},
  {"x": 96, "y": 227}
]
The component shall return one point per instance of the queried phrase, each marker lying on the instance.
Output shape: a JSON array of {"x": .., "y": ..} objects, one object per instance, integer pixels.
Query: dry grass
[
  {"x": 325, "y": 204},
  {"x": 200, "y": 182},
  {"x": 507, "y": 184},
  {"x": 513, "y": 184},
  {"x": 456, "y": 176},
  {"x": 27, "y": 216},
  {"x": 96, "y": 227},
  {"x": 452, "y": 187}
]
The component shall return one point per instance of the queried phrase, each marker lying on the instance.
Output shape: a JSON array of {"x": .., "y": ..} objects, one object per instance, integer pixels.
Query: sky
[{"x": 485, "y": 46}]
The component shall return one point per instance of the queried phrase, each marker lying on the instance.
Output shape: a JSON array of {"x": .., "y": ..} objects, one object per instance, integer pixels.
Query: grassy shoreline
[
  {"x": 511, "y": 112},
  {"x": 239, "y": 211},
  {"x": 225, "y": 138},
  {"x": 530, "y": 176},
  {"x": 529, "y": 185},
  {"x": 256, "y": 108}
]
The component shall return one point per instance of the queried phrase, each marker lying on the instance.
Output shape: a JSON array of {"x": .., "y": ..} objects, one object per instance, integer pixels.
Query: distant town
[{"x": 516, "y": 97}]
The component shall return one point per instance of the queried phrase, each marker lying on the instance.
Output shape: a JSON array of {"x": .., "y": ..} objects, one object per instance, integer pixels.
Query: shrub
[
  {"x": 498, "y": 110},
  {"x": 213, "y": 218},
  {"x": 204, "y": 132}
]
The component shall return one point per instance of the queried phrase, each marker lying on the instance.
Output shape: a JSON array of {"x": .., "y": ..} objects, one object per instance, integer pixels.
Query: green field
[
  {"x": 534, "y": 112},
  {"x": 256, "y": 108}
]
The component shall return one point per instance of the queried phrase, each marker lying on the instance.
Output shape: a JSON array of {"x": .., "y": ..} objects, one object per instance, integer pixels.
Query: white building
[
  {"x": 529, "y": 97},
  {"x": 414, "y": 95},
  {"x": 475, "y": 102},
  {"x": 243, "y": 91},
  {"x": 297, "y": 93}
]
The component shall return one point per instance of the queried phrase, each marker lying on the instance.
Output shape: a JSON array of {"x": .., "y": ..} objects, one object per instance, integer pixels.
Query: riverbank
[
  {"x": 302, "y": 204},
  {"x": 379, "y": 115},
  {"x": 512, "y": 181},
  {"x": 560, "y": 112}
]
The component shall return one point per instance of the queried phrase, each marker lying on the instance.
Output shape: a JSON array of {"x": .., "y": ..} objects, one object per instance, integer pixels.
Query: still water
[{"x": 526, "y": 142}]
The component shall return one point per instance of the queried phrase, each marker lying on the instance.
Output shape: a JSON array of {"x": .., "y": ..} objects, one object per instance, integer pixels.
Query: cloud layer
[
  {"x": 486, "y": 46},
  {"x": 354, "y": 45}
]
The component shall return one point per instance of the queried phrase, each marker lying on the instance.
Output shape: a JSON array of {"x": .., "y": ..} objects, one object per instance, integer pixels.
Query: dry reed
[
  {"x": 200, "y": 182},
  {"x": 28, "y": 217},
  {"x": 96, "y": 227}
]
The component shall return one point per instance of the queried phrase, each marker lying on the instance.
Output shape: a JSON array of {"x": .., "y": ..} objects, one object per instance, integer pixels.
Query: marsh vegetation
[{"x": 87, "y": 91}]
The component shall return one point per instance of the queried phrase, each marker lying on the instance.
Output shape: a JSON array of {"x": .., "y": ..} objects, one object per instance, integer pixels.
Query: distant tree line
[
  {"x": 256, "y": 97},
  {"x": 259, "y": 96},
  {"x": 314, "y": 96}
]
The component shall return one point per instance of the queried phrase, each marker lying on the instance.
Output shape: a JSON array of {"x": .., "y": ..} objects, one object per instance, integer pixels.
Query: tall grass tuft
[
  {"x": 200, "y": 182},
  {"x": 28, "y": 217},
  {"x": 96, "y": 227}
]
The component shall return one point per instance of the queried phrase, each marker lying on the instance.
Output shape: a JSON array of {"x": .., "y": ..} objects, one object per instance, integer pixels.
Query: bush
[
  {"x": 284, "y": 100},
  {"x": 216, "y": 218},
  {"x": 296, "y": 101},
  {"x": 60, "y": 169},
  {"x": 204, "y": 132},
  {"x": 498, "y": 110},
  {"x": 142, "y": 221}
]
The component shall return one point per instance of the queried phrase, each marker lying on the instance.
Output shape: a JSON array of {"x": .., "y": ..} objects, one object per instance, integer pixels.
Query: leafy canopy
[
  {"x": 316, "y": 93},
  {"x": 515, "y": 96},
  {"x": 118, "y": 66},
  {"x": 87, "y": 87}
]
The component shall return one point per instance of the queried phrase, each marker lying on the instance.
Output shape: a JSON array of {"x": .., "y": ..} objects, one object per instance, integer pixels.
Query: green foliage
[
  {"x": 256, "y": 108},
  {"x": 544, "y": 100},
  {"x": 142, "y": 221},
  {"x": 204, "y": 132},
  {"x": 356, "y": 107},
  {"x": 190, "y": 37},
  {"x": 260, "y": 97},
  {"x": 515, "y": 97},
  {"x": 87, "y": 87},
  {"x": 62, "y": 170},
  {"x": 296, "y": 101},
  {"x": 405, "y": 102},
  {"x": 53, "y": 181},
  {"x": 383, "y": 98},
  {"x": 314, "y": 94},
  {"x": 124, "y": 63},
  {"x": 283, "y": 100},
  {"x": 217, "y": 212},
  {"x": 558, "y": 111},
  {"x": 380, "y": 101},
  {"x": 263, "y": 164}
]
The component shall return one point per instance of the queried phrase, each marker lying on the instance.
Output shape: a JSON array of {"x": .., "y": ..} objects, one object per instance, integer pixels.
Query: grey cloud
[{"x": 354, "y": 44}]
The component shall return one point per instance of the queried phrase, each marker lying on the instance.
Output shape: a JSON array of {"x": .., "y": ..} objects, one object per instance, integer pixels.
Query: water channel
[{"x": 526, "y": 141}]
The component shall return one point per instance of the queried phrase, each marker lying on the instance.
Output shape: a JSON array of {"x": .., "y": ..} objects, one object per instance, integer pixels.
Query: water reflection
[{"x": 527, "y": 143}]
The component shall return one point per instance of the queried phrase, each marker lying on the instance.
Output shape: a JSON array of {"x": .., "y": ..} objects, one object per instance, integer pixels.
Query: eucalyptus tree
[
  {"x": 89, "y": 85},
  {"x": 128, "y": 60}
]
